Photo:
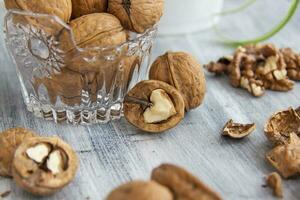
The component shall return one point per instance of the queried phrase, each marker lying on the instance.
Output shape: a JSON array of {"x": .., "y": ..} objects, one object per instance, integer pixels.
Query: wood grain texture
[{"x": 114, "y": 153}]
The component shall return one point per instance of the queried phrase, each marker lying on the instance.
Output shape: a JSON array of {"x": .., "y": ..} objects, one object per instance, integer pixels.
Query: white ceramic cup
[{"x": 188, "y": 16}]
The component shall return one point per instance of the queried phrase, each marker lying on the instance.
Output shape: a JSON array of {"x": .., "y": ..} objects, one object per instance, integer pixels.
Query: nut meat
[
  {"x": 236, "y": 130},
  {"x": 84, "y": 7},
  {"x": 44, "y": 165},
  {"x": 9, "y": 142},
  {"x": 274, "y": 181},
  {"x": 60, "y": 8},
  {"x": 140, "y": 190},
  {"x": 154, "y": 106},
  {"x": 183, "y": 72},
  {"x": 281, "y": 124},
  {"x": 286, "y": 158},
  {"x": 182, "y": 184},
  {"x": 137, "y": 15}
]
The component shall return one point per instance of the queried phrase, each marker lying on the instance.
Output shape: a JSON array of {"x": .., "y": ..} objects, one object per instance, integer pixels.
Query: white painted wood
[{"x": 115, "y": 153}]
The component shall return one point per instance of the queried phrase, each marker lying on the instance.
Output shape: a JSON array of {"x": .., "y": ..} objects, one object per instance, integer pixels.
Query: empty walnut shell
[
  {"x": 66, "y": 85},
  {"x": 133, "y": 111},
  {"x": 34, "y": 177},
  {"x": 93, "y": 30},
  {"x": 286, "y": 158},
  {"x": 182, "y": 184},
  {"x": 281, "y": 125},
  {"x": 60, "y": 8},
  {"x": 183, "y": 72},
  {"x": 9, "y": 142},
  {"x": 137, "y": 15},
  {"x": 236, "y": 130},
  {"x": 84, "y": 7},
  {"x": 140, "y": 190}
]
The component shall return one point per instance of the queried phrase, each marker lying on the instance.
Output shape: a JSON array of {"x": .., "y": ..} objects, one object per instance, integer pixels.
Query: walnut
[
  {"x": 60, "y": 8},
  {"x": 66, "y": 85},
  {"x": 9, "y": 142},
  {"x": 236, "y": 130},
  {"x": 292, "y": 60},
  {"x": 183, "y": 72},
  {"x": 84, "y": 7},
  {"x": 274, "y": 181},
  {"x": 137, "y": 15},
  {"x": 90, "y": 31},
  {"x": 44, "y": 165},
  {"x": 182, "y": 184},
  {"x": 281, "y": 124},
  {"x": 140, "y": 190},
  {"x": 154, "y": 106},
  {"x": 286, "y": 157}
]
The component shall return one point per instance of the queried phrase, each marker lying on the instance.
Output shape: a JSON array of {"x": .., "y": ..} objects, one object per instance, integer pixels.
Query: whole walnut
[
  {"x": 84, "y": 7},
  {"x": 137, "y": 15},
  {"x": 60, "y": 8},
  {"x": 140, "y": 190},
  {"x": 183, "y": 72},
  {"x": 89, "y": 31}
]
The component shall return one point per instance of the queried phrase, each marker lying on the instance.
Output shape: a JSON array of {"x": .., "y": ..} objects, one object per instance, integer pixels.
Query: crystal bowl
[{"x": 54, "y": 92}]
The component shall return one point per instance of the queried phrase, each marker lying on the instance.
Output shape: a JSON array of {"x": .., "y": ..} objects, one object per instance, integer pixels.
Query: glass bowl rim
[{"x": 140, "y": 36}]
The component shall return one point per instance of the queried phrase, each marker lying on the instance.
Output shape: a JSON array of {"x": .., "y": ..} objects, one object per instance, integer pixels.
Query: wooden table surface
[{"x": 115, "y": 153}]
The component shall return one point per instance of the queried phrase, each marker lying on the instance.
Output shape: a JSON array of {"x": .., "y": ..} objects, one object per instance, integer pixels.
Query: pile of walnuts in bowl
[{"x": 94, "y": 23}]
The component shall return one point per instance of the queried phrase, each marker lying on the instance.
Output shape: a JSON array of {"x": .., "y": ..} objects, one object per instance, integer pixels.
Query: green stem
[
  {"x": 238, "y": 9},
  {"x": 292, "y": 10}
]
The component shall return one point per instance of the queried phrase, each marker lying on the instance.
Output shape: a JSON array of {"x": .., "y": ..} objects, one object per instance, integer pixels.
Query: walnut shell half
[
  {"x": 9, "y": 142},
  {"x": 236, "y": 130},
  {"x": 137, "y": 15},
  {"x": 60, "y": 8},
  {"x": 281, "y": 124},
  {"x": 183, "y": 72},
  {"x": 134, "y": 111},
  {"x": 44, "y": 165},
  {"x": 182, "y": 184},
  {"x": 140, "y": 190},
  {"x": 84, "y": 7}
]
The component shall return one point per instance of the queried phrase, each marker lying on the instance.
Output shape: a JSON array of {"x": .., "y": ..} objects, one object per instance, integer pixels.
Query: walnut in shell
[
  {"x": 60, "y": 8},
  {"x": 236, "y": 130},
  {"x": 281, "y": 124},
  {"x": 89, "y": 31},
  {"x": 286, "y": 158},
  {"x": 274, "y": 181},
  {"x": 182, "y": 184},
  {"x": 9, "y": 142},
  {"x": 140, "y": 190},
  {"x": 137, "y": 15},
  {"x": 154, "y": 106},
  {"x": 44, "y": 165},
  {"x": 66, "y": 85},
  {"x": 183, "y": 72},
  {"x": 84, "y": 7}
]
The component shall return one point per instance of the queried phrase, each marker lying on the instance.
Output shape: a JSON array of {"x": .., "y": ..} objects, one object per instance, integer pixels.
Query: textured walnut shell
[
  {"x": 134, "y": 112},
  {"x": 67, "y": 85},
  {"x": 84, "y": 7},
  {"x": 35, "y": 179},
  {"x": 93, "y": 30},
  {"x": 137, "y": 15},
  {"x": 183, "y": 72},
  {"x": 140, "y": 190},
  {"x": 236, "y": 130},
  {"x": 9, "y": 142},
  {"x": 60, "y": 8},
  {"x": 281, "y": 124},
  {"x": 286, "y": 158},
  {"x": 182, "y": 184}
]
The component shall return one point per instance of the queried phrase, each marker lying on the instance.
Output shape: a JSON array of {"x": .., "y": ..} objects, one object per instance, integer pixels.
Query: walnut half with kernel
[
  {"x": 44, "y": 165},
  {"x": 154, "y": 106}
]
